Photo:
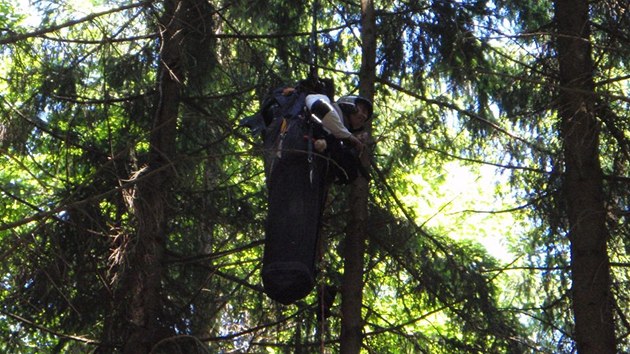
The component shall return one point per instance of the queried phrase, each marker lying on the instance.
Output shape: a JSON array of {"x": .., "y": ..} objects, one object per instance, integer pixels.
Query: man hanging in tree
[
  {"x": 303, "y": 131},
  {"x": 345, "y": 121}
]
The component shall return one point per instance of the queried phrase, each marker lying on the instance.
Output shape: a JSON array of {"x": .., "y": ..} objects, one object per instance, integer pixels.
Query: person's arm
[
  {"x": 358, "y": 144},
  {"x": 320, "y": 106}
]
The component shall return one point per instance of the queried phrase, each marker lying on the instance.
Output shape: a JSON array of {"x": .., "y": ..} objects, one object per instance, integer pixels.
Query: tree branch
[
  {"x": 48, "y": 330},
  {"x": 21, "y": 36},
  {"x": 464, "y": 112}
]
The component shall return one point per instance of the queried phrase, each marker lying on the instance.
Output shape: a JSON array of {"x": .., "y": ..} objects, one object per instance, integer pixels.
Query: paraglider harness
[
  {"x": 288, "y": 127},
  {"x": 297, "y": 179},
  {"x": 286, "y": 111}
]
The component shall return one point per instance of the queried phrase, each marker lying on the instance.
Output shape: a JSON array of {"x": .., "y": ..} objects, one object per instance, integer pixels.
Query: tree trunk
[
  {"x": 150, "y": 204},
  {"x": 583, "y": 183},
  {"x": 354, "y": 250}
]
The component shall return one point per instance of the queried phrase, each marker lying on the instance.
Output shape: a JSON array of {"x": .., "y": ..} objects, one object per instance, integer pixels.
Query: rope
[{"x": 313, "y": 40}]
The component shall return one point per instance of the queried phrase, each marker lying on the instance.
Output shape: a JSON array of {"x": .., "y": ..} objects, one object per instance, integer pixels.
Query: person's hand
[
  {"x": 358, "y": 144},
  {"x": 320, "y": 145},
  {"x": 363, "y": 137},
  {"x": 287, "y": 91}
]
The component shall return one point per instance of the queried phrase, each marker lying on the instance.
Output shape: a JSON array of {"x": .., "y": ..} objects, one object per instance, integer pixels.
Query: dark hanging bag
[{"x": 295, "y": 177}]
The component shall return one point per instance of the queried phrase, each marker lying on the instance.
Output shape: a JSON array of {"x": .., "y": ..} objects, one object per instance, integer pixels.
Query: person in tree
[
  {"x": 303, "y": 130},
  {"x": 345, "y": 121}
]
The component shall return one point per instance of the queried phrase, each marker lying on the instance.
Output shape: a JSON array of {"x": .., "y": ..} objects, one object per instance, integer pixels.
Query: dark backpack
[{"x": 286, "y": 102}]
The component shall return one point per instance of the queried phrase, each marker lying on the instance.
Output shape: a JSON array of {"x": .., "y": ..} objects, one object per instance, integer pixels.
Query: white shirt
[{"x": 332, "y": 121}]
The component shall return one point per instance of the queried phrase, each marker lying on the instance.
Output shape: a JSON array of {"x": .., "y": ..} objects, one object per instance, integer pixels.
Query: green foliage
[{"x": 463, "y": 88}]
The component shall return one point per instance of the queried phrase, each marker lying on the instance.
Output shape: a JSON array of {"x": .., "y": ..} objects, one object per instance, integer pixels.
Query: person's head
[{"x": 357, "y": 111}]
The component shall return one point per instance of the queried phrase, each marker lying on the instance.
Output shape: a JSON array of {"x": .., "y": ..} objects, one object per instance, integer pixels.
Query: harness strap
[{"x": 311, "y": 165}]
